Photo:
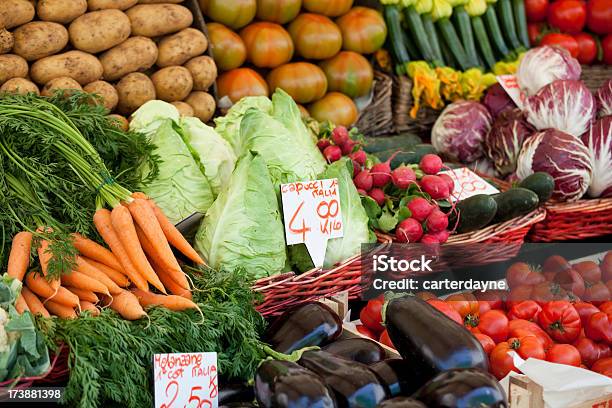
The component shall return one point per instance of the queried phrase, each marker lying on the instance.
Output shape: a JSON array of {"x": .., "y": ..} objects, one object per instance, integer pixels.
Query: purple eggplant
[
  {"x": 402, "y": 402},
  {"x": 398, "y": 376},
  {"x": 361, "y": 350}
]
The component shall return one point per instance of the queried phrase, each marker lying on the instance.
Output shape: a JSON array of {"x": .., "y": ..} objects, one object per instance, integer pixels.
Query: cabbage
[
  {"x": 354, "y": 220},
  {"x": 214, "y": 152},
  {"x": 604, "y": 99},
  {"x": 243, "y": 228},
  {"x": 228, "y": 126},
  {"x": 565, "y": 105},
  {"x": 542, "y": 65},
  {"x": 599, "y": 143},
  {"x": 497, "y": 100},
  {"x": 561, "y": 155},
  {"x": 460, "y": 129},
  {"x": 286, "y": 111},
  {"x": 503, "y": 143}
]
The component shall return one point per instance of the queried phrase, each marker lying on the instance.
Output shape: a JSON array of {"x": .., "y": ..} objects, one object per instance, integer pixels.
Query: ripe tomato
[
  {"x": 606, "y": 307},
  {"x": 518, "y": 295},
  {"x": 305, "y": 82},
  {"x": 560, "y": 320},
  {"x": 589, "y": 270},
  {"x": 494, "y": 324},
  {"x": 349, "y": 73},
  {"x": 528, "y": 310},
  {"x": 567, "y": 15},
  {"x": 363, "y": 30},
  {"x": 603, "y": 366},
  {"x": 371, "y": 315},
  {"x": 386, "y": 340},
  {"x": 563, "y": 354},
  {"x": 534, "y": 30},
  {"x": 467, "y": 306},
  {"x": 268, "y": 44},
  {"x": 501, "y": 361},
  {"x": 315, "y": 36},
  {"x": 596, "y": 293},
  {"x": 330, "y": 8},
  {"x": 604, "y": 350},
  {"x": 520, "y": 328},
  {"x": 366, "y": 332},
  {"x": 606, "y": 267},
  {"x": 447, "y": 309},
  {"x": 486, "y": 342},
  {"x": 495, "y": 299},
  {"x": 425, "y": 295},
  {"x": 335, "y": 107},
  {"x": 536, "y": 10},
  {"x": 556, "y": 264},
  {"x": 571, "y": 281},
  {"x": 589, "y": 350},
  {"x": 606, "y": 45},
  {"x": 521, "y": 273},
  {"x": 527, "y": 346},
  {"x": 599, "y": 16},
  {"x": 278, "y": 11},
  {"x": 241, "y": 82},
  {"x": 599, "y": 327},
  {"x": 585, "y": 310},
  {"x": 547, "y": 292}
]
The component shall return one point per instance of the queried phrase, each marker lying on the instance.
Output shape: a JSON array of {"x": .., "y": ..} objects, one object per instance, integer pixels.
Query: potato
[
  {"x": 39, "y": 39},
  {"x": 134, "y": 90},
  {"x": 6, "y": 41},
  {"x": 14, "y": 13},
  {"x": 99, "y": 30},
  {"x": 106, "y": 91},
  {"x": 180, "y": 47},
  {"x": 159, "y": 1},
  {"x": 183, "y": 108},
  {"x": 19, "y": 86},
  {"x": 152, "y": 20},
  {"x": 110, "y": 4},
  {"x": 203, "y": 105},
  {"x": 60, "y": 11},
  {"x": 60, "y": 83},
  {"x": 203, "y": 71},
  {"x": 172, "y": 83},
  {"x": 120, "y": 121},
  {"x": 80, "y": 66},
  {"x": 12, "y": 66},
  {"x": 132, "y": 55}
]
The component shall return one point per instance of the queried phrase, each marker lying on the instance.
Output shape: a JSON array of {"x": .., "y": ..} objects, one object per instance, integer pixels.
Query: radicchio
[
  {"x": 460, "y": 129},
  {"x": 562, "y": 156},
  {"x": 565, "y": 105},
  {"x": 503, "y": 143},
  {"x": 497, "y": 100},
  {"x": 604, "y": 99},
  {"x": 599, "y": 143},
  {"x": 542, "y": 65}
]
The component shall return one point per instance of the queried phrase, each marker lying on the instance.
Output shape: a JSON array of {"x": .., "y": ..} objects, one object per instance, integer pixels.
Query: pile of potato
[{"x": 127, "y": 51}]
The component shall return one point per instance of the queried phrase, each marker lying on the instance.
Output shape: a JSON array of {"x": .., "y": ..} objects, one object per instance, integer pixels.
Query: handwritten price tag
[
  {"x": 186, "y": 380},
  {"x": 312, "y": 215},
  {"x": 468, "y": 183},
  {"x": 510, "y": 85}
]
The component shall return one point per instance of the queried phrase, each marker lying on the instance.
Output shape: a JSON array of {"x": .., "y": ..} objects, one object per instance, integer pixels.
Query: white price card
[
  {"x": 510, "y": 85},
  {"x": 312, "y": 215},
  {"x": 468, "y": 183},
  {"x": 185, "y": 380}
]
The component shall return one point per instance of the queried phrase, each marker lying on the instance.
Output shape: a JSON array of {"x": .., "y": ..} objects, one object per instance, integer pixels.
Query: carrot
[
  {"x": 139, "y": 194},
  {"x": 85, "y": 305},
  {"x": 42, "y": 288},
  {"x": 177, "y": 275},
  {"x": 169, "y": 283},
  {"x": 93, "y": 272},
  {"x": 21, "y": 305},
  {"x": 59, "y": 310},
  {"x": 172, "y": 302},
  {"x": 95, "y": 251},
  {"x": 79, "y": 280},
  {"x": 44, "y": 256},
  {"x": 118, "y": 277},
  {"x": 126, "y": 304},
  {"x": 19, "y": 259},
  {"x": 83, "y": 294},
  {"x": 124, "y": 227},
  {"x": 34, "y": 303},
  {"x": 102, "y": 221}
]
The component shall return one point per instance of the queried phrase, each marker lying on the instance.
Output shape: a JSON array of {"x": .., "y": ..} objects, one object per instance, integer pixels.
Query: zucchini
[
  {"x": 412, "y": 156},
  {"x": 446, "y": 52},
  {"x": 490, "y": 18},
  {"x": 449, "y": 35},
  {"x": 462, "y": 23},
  {"x": 520, "y": 19},
  {"x": 483, "y": 41},
  {"x": 515, "y": 202},
  {"x": 412, "y": 49},
  {"x": 415, "y": 26},
  {"x": 398, "y": 48},
  {"x": 475, "y": 212},
  {"x": 404, "y": 141},
  {"x": 540, "y": 183},
  {"x": 507, "y": 23},
  {"x": 432, "y": 34}
]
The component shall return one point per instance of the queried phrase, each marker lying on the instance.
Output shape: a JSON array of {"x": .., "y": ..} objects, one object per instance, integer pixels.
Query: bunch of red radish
[{"x": 340, "y": 144}]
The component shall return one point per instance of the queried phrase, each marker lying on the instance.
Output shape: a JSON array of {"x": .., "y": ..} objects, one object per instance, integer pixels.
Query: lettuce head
[{"x": 228, "y": 126}]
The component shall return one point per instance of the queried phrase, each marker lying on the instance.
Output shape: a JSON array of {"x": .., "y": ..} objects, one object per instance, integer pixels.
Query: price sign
[
  {"x": 185, "y": 380},
  {"x": 468, "y": 183},
  {"x": 510, "y": 85},
  {"x": 312, "y": 215}
]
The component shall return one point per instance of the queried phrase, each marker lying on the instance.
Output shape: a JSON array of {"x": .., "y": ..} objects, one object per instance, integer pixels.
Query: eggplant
[
  {"x": 241, "y": 404},
  {"x": 312, "y": 324},
  {"x": 465, "y": 388},
  {"x": 402, "y": 402},
  {"x": 235, "y": 392},
  {"x": 284, "y": 384},
  {"x": 354, "y": 385},
  {"x": 361, "y": 350},
  {"x": 398, "y": 376},
  {"x": 432, "y": 342}
]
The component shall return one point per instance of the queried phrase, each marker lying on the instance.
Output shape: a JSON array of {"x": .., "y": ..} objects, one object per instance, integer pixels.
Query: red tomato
[
  {"x": 366, "y": 332},
  {"x": 606, "y": 267},
  {"x": 315, "y": 36},
  {"x": 386, "y": 340},
  {"x": 363, "y": 30},
  {"x": 596, "y": 293},
  {"x": 589, "y": 350},
  {"x": 534, "y": 30},
  {"x": 305, "y": 82},
  {"x": 589, "y": 270},
  {"x": 501, "y": 361},
  {"x": 518, "y": 295},
  {"x": 606, "y": 45},
  {"x": 604, "y": 350},
  {"x": 571, "y": 281},
  {"x": 486, "y": 342},
  {"x": 335, "y": 107},
  {"x": 447, "y": 309},
  {"x": 268, "y": 44},
  {"x": 599, "y": 16},
  {"x": 528, "y": 310},
  {"x": 606, "y": 307},
  {"x": 599, "y": 327},
  {"x": 494, "y": 324},
  {"x": 495, "y": 298},
  {"x": 371, "y": 315},
  {"x": 521, "y": 273},
  {"x": 527, "y": 346},
  {"x": 536, "y": 10},
  {"x": 520, "y": 328},
  {"x": 547, "y": 292},
  {"x": 563, "y": 354},
  {"x": 585, "y": 310},
  {"x": 241, "y": 82},
  {"x": 425, "y": 295},
  {"x": 556, "y": 264},
  {"x": 567, "y": 15},
  {"x": 467, "y": 306},
  {"x": 560, "y": 320},
  {"x": 603, "y": 366}
]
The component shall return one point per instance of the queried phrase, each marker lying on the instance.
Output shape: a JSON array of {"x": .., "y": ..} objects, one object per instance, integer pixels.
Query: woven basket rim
[{"x": 584, "y": 205}]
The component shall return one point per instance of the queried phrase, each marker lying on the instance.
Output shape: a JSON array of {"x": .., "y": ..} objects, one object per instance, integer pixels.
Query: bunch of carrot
[{"x": 139, "y": 236}]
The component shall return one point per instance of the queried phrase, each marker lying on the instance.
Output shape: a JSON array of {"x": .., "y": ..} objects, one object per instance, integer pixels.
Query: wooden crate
[{"x": 524, "y": 393}]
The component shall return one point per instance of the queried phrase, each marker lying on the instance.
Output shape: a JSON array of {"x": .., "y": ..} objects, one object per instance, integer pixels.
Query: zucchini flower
[
  {"x": 450, "y": 87},
  {"x": 507, "y": 68},
  {"x": 423, "y": 6},
  {"x": 474, "y": 83},
  {"x": 441, "y": 9},
  {"x": 476, "y": 8},
  {"x": 425, "y": 85},
  {"x": 455, "y": 3},
  {"x": 385, "y": 2}
]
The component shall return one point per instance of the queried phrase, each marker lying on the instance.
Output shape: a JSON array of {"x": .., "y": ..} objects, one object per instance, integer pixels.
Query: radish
[
  {"x": 435, "y": 186},
  {"x": 437, "y": 221},
  {"x": 332, "y": 153},
  {"x": 409, "y": 230},
  {"x": 356, "y": 168},
  {"x": 359, "y": 156},
  {"x": 322, "y": 144},
  {"x": 339, "y": 135},
  {"x": 381, "y": 172},
  {"x": 449, "y": 181},
  {"x": 363, "y": 180},
  {"x": 420, "y": 208},
  {"x": 348, "y": 146},
  {"x": 362, "y": 192},
  {"x": 431, "y": 164},
  {"x": 403, "y": 176},
  {"x": 377, "y": 195},
  {"x": 429, "y": 239},
  {"x": 441, "y": 236}
]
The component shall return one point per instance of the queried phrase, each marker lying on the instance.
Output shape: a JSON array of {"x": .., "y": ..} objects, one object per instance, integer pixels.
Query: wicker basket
[
  {"x": 377, "y": 118},
  {"x": 402, "y": 103},
  {"x": 594, "y": 76}
]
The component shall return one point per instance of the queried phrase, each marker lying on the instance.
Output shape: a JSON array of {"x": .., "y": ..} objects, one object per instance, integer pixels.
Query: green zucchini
[
  {"x": 449, "y": 35},
  {"x": 446, "y": 52},
  {"x": 462, "y": 24},
  {"x": 415, "y": 26},
  {"x": 474, "y": 213},
  {"x": 412, "y": 49},
  {"x": 398, "y": 48},
  {"x": 507, "y": 23},
  {"x": 490, "y": 18},
  {"x": 432, "y": 34},
  {"x": 520, "y": 18},
  {"x": 483, "y": 41},
  {"x": 408, "y": 156},
  {"x": 515, "y": 202},
  {"x": 404, "y": 141},
  {"x": 540, "y": 183}
]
